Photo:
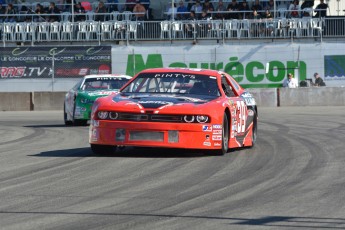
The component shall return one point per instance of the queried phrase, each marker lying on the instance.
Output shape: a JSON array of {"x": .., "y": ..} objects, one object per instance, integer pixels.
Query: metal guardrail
[{"x": 113, "y": 30}]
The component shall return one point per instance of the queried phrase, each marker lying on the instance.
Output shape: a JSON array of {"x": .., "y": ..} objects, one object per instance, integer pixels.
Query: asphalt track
[{"x": 293, "y": 179}]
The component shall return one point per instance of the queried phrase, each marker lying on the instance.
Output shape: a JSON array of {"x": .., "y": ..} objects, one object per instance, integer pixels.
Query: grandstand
[{"x": 119, "y": 25}]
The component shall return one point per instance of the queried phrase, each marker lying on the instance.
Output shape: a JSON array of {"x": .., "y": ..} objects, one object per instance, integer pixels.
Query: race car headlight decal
[
  {"x": 113, "y": 115},
  {"x": 202, "y": 118},
  {"x": 102, "y": 115},
  {"x": 188, "y": 118}
]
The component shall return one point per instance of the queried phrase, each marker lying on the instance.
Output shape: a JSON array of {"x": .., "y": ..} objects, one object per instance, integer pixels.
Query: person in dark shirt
[
  {"x": 321, "y": 9},
  {"x": 246, "y": 11},
  {"x": 2, "y": 11},
  {"x": 100, "y": 11},
  {"x": 54, "y": 11},
  {"x": 318, "y": 80},
  {"x": 233, "y": 6},
  {"x": 79, "y": 12}
]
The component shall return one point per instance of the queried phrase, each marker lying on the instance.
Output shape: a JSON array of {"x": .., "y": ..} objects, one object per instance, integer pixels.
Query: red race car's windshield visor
[{"x": 174, "y": 83}]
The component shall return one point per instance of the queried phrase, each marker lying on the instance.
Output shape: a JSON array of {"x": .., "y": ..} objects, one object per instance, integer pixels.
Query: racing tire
[
  {"x": 254, "y": 130},
  {"x": 78, "y": 122},
  {"x": 67, "y": 122},
  {"x": 225, "y": 137},
  {"x": 103, "y": 149}
]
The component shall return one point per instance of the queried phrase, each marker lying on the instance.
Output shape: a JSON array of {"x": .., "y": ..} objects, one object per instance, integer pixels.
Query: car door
[
  {"x": 71, "y": 96},
  {"x": 238, "y": 108}
]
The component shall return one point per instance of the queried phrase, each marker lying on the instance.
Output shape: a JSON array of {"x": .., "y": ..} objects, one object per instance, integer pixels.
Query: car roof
[
  {"x": 184, "y": 70},
  {"x": 107, "y": 75}
]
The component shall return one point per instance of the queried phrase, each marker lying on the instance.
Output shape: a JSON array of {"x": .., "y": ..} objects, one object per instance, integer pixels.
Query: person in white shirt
[{"x": 290, "y": 82}]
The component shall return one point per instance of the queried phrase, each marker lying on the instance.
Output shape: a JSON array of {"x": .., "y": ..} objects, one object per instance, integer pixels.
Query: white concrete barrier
[
  {"x": 265, "y": 97},
  {"x": 48, "y": 100},
  {"x": 312, "y": 96},
  {"x": 15, "y": 101}
]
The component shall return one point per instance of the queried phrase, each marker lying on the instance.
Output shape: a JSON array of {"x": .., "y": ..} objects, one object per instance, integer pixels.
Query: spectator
[
  {"x": 269, "y": 24},
  {"x": 321, "y": 9},
  {"x": 269, "y": 5},
  {"x": 139, "y": 11},
  {"x": 68, "y": 6},
  {"x": 130, "y": 5},
  {"x": 233, "y": 7},
  {"x": 100, "y": 12},
  {"x": 294, "y": 10},
  {"x": 181, "y": 11},
  {"x": 2, "y": 11},
  {"x": 197, "y": 8},
  {"x": 257, "y": 7},
  {"x": 208, "y": 7},
  {"x": 171, "y": 11},
  {"x": 190, "y": 27},
  {"x": 54, "y": 11},
  {"x": 39, "y": 11},
  {"x": 80, "y": 13},
  {"x": 256, "y": 28},
  {"x": 246, "y": 11},
  {"x": 220, "y": 9},
  {"x": 189, "y": 4},
  {"x": 307, "y": 4},
  {"x": 146, "y": 4},
  {"x": 113, "y": 5},
  {"x": 10, "y": 13},
  {"x": 290, "y": 82},
  {"x": 318, "y": 80}
]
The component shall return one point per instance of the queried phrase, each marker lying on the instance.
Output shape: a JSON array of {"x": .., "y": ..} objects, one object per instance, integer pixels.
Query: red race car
[{"x": 175, "y": 108}]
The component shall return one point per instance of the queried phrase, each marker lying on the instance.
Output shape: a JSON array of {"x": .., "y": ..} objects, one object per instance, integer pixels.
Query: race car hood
[{"x": 156, "y": 101}]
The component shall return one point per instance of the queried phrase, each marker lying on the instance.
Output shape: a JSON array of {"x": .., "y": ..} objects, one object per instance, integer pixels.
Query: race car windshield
[
  {"x": 174, "y": 83},
  {"x": 93, "y": 84}
]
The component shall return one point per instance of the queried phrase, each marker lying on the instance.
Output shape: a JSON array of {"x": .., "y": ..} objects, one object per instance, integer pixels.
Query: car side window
[{"x": 228, "y": 91}]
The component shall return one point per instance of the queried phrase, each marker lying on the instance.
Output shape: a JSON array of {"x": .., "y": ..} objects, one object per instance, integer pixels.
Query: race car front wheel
[
  {"x": 67, "y": 122},
  {"x": 103, "y": 149},
  {"x": 78, "y": 122}
]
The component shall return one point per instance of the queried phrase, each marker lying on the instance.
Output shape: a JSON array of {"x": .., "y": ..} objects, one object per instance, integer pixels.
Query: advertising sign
[
  {"x": 263, "y": 65},
  {"x": 62, "y": 62},
  {"x": 334, "y": 67}
]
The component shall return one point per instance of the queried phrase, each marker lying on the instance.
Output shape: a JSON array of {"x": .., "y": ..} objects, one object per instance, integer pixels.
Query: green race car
[{"x": 79, "y": 100}]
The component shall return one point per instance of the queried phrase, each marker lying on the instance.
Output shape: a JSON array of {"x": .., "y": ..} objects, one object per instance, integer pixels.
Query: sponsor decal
[
  {"x": 217, "y": 126},
  {"x": 101, "y": 93},
  {"x": 207, "y": 128},
  {"x": 207, "y": 137},
  {"x": 250, "y": 113},
  {"x": 217, "y": 137},
  {"x": 217, "y": 144},
  {"x": 206, "y": 143},
  {"x": 217, "y": 131},
  {"x": 155, "y": 102}
]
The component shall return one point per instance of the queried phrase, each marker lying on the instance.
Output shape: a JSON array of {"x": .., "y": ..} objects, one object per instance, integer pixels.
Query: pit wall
[{"x": 278, "y": 97}]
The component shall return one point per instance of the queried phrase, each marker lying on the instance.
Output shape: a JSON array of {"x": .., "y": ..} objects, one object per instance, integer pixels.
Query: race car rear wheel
[
  {"x": 225, "y": 137},
  {"x": 67, "y": 122},
  {"x": 103, "y": 149}
]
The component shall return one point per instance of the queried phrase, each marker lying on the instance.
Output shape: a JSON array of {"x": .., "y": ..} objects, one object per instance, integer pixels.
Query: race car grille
[
  {"x": 149, "y": 117},
  {"x": 146, "y": 136},
  {"x": 133, "y": 117}
]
